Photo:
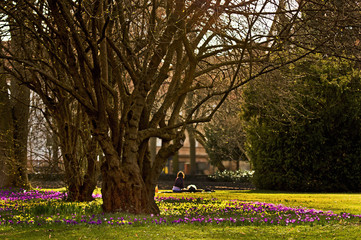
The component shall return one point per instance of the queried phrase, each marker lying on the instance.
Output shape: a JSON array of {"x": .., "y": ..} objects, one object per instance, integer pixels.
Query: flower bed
[{"x": 48, "y": 207}]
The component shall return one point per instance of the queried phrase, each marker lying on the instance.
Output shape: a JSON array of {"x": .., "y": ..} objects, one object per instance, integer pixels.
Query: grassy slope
[
  {"x": 335, "y": 202},
  {"x": 183, "y": 232}
]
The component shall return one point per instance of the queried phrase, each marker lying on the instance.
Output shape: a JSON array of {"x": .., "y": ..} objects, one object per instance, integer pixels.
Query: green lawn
[
  {"x": 345, "y": 202},
  {"x": 184, "y": 232},
  {"x": 337, "y": 203}
]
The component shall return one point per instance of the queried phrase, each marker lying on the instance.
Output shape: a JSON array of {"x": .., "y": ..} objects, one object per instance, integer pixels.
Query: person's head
[{"x": 181, "y": 174}]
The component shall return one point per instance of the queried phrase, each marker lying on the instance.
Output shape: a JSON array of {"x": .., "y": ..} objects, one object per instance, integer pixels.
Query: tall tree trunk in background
[
  {"x": 5, "y": 132},
  {"x": 20, "y": 102},
  {"x": 175, "y": 163},
  {"x": 220, "y": 166},
  {"x": 55, "y": 153},
  {"x": 20, "y": 112},
  {"x": 192, "y": 151},
  {"x": 14, "y": 130},
  {"x": 192, "y": 139}
]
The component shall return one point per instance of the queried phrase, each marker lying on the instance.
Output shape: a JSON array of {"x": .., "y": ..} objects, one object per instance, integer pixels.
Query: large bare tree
[{"x": 131, "y": 64}]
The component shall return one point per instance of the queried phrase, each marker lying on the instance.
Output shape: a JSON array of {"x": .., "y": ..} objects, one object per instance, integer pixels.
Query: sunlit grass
[
  {"x": 336, "y": 202},
  {"x": 216, "y": 215}
]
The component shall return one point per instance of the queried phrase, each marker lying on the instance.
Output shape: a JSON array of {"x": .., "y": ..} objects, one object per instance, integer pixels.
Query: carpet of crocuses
[{"x": 38, "y": 207}]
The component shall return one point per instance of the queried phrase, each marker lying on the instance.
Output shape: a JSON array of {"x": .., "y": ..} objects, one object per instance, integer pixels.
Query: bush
[{"x": 232, "y": 176}]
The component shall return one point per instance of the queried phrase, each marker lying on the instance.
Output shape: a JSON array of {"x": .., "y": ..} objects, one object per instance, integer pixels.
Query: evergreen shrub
[{"x": 308, "y": 139}]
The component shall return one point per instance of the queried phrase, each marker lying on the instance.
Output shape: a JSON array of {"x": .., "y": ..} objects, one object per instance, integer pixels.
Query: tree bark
[
  {"x": 124, "y": 190},
  {"x": 80, "y": 186},
  {"x": 5, "y": 133},
  {"x": 192, "y": 152},
  {"x": 175, "y": 163},
  {"x": 55, "y": 153},
  {"x": 21, "y": 101},
  {"x": 92, "y": 172},
  {"x": 220, "y": 166},
  {"x": 153, "y": 148},
  {"x": 13, "y": 134},
  {"x": 192, "y": 139},
  {"x": 81, "y": 172}
]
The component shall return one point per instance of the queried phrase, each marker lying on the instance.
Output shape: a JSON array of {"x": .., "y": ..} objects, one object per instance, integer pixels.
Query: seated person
[{"x": 179, "y": 183}]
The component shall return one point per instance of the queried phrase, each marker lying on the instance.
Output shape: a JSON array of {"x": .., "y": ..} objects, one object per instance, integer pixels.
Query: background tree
[
  {"x": 224, "y": 136},
  {"x": 308, "y": 137}
]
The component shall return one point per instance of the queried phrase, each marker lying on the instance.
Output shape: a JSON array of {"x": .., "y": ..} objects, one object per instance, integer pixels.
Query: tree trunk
[
  {"x": 72, "y": 175},
  {"x": 55, "y": 153},
  {"x": 21, "y": 100},
  {"x": 192, "y": 140},
  {"x": 153, "y": 148},
  {"x": 220, "y": 166},
  {"x": 81, "y": 172},
  {"x": 192, "y": 152},
  {"x": 80, "y": 186},
  {"x": 92, "y": 173},
  {"x": 123, "y": 189},
  {"x": 127, "y": 188},
  {"x": 14, "y": 134},
  {"x": 175, "y": 163},
  {"x": 5, "y": 133}
]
